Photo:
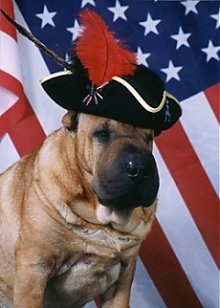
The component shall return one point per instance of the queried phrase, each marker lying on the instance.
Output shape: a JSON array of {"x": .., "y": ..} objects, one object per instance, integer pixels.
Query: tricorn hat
[{"x": 106, "y": 81}]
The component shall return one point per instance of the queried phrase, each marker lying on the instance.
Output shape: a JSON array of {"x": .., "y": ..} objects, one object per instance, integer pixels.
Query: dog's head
[{"x": 118, "y": 157}]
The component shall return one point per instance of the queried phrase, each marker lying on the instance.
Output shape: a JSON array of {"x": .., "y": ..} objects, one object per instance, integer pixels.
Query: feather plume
[{"x": 100, "y": 53}]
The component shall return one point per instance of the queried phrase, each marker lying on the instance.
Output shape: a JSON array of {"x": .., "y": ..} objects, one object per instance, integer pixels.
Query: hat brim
[{"x": 115, "y": 101}]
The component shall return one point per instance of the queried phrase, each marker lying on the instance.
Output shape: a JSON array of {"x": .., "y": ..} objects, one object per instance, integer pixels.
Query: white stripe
[
  {"x": 91, "y": 304},
  {"x": 143, "y": 292},
  {"x": 9, "y": 57},
  {"x": 185, "y": 239},
  {"x": 202, "y": 129},
  {"x": 48, "y": 112},
  {"x": 8, "y": 153},
  {"x": 8, "y": 99}
]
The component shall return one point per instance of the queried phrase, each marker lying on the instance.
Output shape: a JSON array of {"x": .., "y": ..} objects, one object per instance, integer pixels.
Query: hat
[{"x": 106, "y": 81}]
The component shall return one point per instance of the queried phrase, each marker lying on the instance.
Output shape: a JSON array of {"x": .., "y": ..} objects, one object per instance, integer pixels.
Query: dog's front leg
[
  {"x": 118, "y": 295},
  {"x": 28, "y": 289},
  {"x": 30, "y": 280}
]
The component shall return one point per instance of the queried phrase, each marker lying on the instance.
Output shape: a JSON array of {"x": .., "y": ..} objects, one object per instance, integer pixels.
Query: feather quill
[{"x": 100, "y": 53}]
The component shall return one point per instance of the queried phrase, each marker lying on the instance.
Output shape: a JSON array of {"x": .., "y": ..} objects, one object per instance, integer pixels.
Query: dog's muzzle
[{"x": 127, "y": 179}]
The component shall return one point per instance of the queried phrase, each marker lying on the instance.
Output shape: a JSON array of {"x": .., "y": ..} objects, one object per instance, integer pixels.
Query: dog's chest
[
  {"x": 105, "y": 253},
  {"x": 75, "y": 284}
]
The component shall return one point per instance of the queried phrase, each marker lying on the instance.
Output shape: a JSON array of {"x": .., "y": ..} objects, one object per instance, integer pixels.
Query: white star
[
  {"x": 85, "y": 2},
  {"x": 217, "y": 18},
  {"x": 142, "y": 57},
  {"x": 118, "y": 10},
  {"x": 74, "y": 30},
  {"x": 46, "y": 17},
  {"x": 181, "y": 38},
  {"x": 172, "y": 71},
  {"x": 211, "y": 51},
  {"x": 190, "y": 6},
  {"x": 150, "y": 24}
]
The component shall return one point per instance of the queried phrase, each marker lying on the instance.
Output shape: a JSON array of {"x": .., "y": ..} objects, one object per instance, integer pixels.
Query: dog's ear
[{"x": 70, "y": 120}]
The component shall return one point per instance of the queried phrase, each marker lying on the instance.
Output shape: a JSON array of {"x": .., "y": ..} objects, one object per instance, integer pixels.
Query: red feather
[{"x": 100, "y": 53}]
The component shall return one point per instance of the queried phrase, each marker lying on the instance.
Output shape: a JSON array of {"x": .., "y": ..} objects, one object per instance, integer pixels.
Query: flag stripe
[
  {"x": 193, "y": 183},
  {"x": 143, "y": 291},
  {"x": 5, "y": 26},
  {"x": 26, "y": 140},
  {"x": 8, "y": 98},
  {"x": 8, "y": 153},
  {"x": 16, "y": 112},
  {"x": 166, "y": 272},
  {"x": 91, "y": 304},
  {"x": 206, "y": 123},
  {"x": 175, "y": 219},
  {"x": 20, "y": 116},
  {"x": 10, "y": 61},
  {"x": 213, "y": 95}
]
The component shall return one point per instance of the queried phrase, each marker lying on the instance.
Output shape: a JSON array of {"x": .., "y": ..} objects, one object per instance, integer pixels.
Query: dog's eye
[{"x": 102, "y": 135}]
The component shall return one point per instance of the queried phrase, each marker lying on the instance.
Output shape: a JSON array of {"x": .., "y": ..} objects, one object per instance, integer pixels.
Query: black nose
[
  {"x": 138, "y": 164},
  {"x": 133, "y": 169},
  {"x": 127, "y": 179}
]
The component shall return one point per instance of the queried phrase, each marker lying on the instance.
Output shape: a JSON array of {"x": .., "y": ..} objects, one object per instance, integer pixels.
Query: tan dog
[{"x": 73, "y": 215}]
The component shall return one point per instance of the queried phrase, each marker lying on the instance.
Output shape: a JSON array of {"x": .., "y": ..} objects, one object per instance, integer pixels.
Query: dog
[{"x": 73, "y": 215}]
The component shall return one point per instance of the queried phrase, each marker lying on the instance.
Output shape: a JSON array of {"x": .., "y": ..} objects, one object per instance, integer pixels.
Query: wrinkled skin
[{"x": 74, "y": 213}]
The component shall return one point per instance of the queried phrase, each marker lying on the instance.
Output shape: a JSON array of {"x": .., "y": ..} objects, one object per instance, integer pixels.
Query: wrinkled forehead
[{"x": 91, "y": 123}]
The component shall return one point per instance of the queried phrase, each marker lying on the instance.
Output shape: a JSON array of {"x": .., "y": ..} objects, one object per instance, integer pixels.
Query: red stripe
[
  {"x": 28, "y": 134},
  {"x": 13, "y": 115},
  {"x": 193, "y": 183},
  {"x": 7, "y": 6},
  {"x": 166, "y": 271},
  {"x": 213, "y": 95},
  {"x": 97, "y": 302},
  {"x": 20, "y": 121},
  {"x": 16, "y": 112}
]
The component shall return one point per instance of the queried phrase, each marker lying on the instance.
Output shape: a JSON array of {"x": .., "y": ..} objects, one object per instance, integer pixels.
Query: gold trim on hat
[
  {"x": 140, "y": 99},
  {"x": 174, "y": 99},
  {"x": 55, "y": 75},
  {"x": 128, "y": 86}
]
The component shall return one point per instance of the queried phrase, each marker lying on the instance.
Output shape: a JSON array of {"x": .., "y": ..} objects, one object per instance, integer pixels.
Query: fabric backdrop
[{"x": 178, "y": 263}]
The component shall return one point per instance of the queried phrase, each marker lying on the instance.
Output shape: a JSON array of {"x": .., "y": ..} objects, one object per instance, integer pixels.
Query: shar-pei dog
[
  {"x": 70, "y": 221},
  {"x": 74, "y": 213}
]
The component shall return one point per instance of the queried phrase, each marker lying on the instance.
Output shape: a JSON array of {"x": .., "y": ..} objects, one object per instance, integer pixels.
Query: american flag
[{"x": 178, "y": 262}]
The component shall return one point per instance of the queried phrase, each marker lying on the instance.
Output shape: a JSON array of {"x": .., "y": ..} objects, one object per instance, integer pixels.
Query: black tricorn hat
[
  {"x": 130, "y": 93},
  {"x": 138, "y": 99}
]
